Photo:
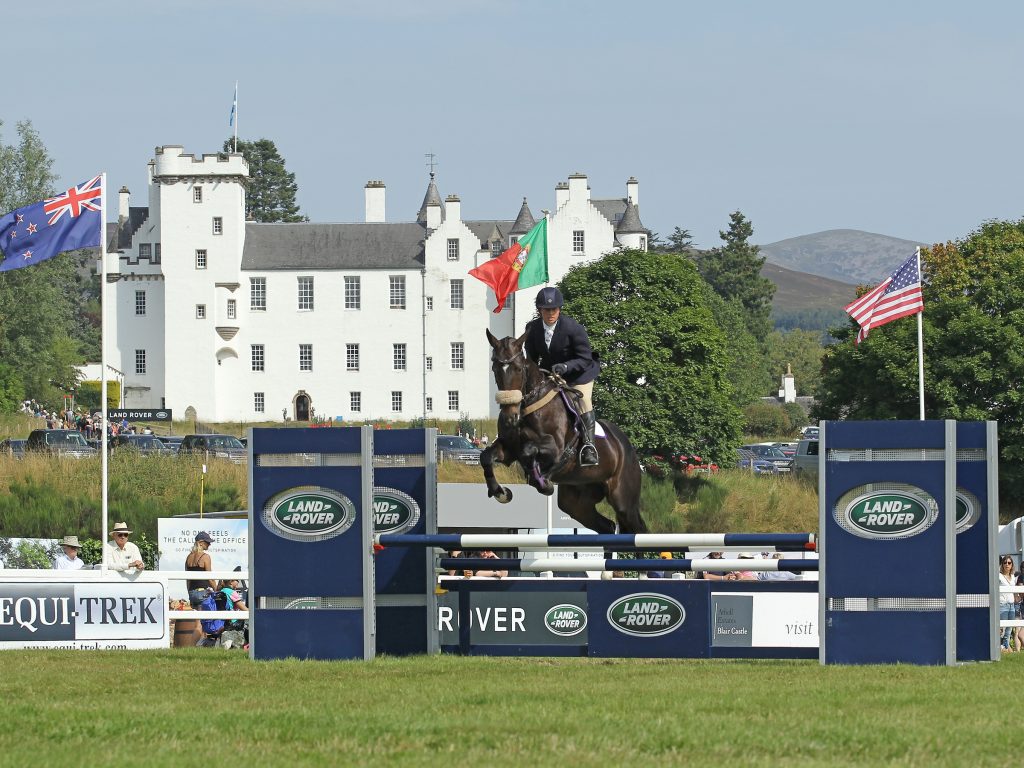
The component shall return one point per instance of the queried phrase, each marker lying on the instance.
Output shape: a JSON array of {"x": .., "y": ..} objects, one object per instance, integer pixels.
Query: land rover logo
[
  {"x": 963, "y": 511},
  {"x": 160, "y": 415},
  {"x": 311, "y": 513},
  {"x": 646, "y": 615},
  {"x": 887, "y": 514},
  {"x": 394, "y": 511},
  {"x": 565, "y": 620}
]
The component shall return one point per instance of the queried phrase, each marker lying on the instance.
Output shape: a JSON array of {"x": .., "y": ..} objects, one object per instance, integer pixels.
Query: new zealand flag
[{"x": 37, "y": 232}]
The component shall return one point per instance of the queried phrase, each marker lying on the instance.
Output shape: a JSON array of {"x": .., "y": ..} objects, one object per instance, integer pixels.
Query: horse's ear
[
  {"x": 491, "y": 338},
  {"x": 521, "y": 340}
]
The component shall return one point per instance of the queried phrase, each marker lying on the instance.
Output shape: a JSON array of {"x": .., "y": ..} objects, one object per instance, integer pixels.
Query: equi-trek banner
[{"x": 83, "y": 616}]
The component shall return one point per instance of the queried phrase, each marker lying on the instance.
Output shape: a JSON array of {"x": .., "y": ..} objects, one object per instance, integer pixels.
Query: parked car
[
  {"x": 768, "y": 453},
  {"x": 457, "y": 448},
  {"x": 752, "y": 463},
  {"x": 805, "y": 463},
  {"x": 147, "y": 445},
  {"x": 789, "y": 449},
  {"x": 809, "y": 433},
  {"x": 13, "y": 447},
  {"x": 171, "y": 441},
  {"x": 59, "y": 442},
  {"x": 214, "y": 446}
]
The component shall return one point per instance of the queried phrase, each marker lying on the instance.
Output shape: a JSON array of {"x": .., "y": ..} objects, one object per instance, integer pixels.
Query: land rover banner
[
  {"x": 83, "y": 616},
  {"x": 139, "y": 414}
]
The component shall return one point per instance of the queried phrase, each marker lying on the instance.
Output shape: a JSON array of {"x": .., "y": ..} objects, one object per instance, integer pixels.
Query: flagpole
[
  {"x": 236, "y": 118},
  {"x": 920, "y": 345},
  {"x": 103, "y": 371}
]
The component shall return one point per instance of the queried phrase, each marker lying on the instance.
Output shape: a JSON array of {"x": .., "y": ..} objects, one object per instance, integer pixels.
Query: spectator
[
  {"x": 777, "y": 575},
  {"x": 711, "y": 575},
  {"x": 122, "y": 555},
  {"x": 483, "y": 441},
  {"x": 493, "y": 573},
  {"x": 742, "y": 575},
  {"x": 233, "y": 635},
  {"x": 452, "y": 571},
  {"x": 661, "y": 574},
  {"x": 1018, "y": 598},
  {"x": 199, "y": 560},
  {"x": 69, "y": 561},
  {"x": 1007, "y": 606}
]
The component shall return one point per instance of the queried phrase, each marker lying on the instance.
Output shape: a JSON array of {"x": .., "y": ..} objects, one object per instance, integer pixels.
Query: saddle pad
[{"x": 599, "y": 430}]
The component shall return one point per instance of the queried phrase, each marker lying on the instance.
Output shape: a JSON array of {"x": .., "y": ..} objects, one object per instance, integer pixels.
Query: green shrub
[{"x": 766, "y": 420}]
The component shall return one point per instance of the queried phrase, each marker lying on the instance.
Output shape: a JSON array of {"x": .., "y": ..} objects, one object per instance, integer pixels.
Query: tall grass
[{"x": 44, "y": 496}]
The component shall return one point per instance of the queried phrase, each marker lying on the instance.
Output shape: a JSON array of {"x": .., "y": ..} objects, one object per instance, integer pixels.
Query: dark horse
[{"x": 536, "y": 428}]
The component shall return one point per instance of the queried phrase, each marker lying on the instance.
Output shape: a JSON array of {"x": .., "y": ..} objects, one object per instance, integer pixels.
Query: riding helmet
[{"x": 549, "y": 298}]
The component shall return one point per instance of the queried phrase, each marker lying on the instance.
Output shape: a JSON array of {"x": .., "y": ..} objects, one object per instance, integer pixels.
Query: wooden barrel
[{"x": 186, "y": 633}]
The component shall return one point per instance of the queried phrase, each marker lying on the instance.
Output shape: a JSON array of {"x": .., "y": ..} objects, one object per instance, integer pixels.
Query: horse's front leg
[
  {"x": 495, "y": 490},
  {"x": 529, "y": 458}
]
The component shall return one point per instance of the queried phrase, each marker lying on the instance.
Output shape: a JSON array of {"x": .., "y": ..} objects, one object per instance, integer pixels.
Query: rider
[{"x": 560, "y": 344}]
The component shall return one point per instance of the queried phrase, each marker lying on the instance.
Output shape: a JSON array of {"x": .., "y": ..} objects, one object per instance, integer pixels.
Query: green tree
[
  {"x": 664, "y": 377},
  {"x": 733, "y": 270},
  {"x": 680, "y": 241},
  {"x": 38, "y": 304},
  {"x": 799, "y": 350},
  {"x": 766, "y": 420},
  {"x": 748, "y": 370},
  {"x": 973, "y": 348},
  {"x": 270, "y": 191}
]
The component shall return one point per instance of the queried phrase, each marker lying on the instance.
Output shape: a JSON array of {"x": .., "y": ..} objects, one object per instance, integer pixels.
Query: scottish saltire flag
[
  {"x": 898, "y": 296},
  {"x": 234, "y": 108},
  {"x": 37, "y": 232}
]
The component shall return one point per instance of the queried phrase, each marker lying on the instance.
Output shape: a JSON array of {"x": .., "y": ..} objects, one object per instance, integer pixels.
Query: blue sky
[{"x": 897, "y": 118}]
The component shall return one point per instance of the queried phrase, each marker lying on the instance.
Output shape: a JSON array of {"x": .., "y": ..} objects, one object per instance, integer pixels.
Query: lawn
[{"x": 200, "y": 706}]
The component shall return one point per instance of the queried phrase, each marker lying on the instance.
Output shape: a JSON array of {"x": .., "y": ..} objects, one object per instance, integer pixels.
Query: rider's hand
[{"x": 559, "y": 369}]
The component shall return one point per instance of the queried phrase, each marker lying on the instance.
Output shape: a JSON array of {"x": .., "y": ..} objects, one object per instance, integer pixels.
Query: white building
[{"x": 241, "y": 321}]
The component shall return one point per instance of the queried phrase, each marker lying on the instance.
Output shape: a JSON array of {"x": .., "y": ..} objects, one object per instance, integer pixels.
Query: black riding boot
[{"x": 588, "y": 453}]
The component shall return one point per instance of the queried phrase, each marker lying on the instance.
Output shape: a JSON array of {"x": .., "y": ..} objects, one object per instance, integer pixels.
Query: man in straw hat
[
  {"x": 69, "y": 561},
  {"x": 122, "y": 555}
]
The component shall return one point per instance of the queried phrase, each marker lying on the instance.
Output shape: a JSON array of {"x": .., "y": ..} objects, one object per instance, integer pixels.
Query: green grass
[{"x": 192, "y": 706}]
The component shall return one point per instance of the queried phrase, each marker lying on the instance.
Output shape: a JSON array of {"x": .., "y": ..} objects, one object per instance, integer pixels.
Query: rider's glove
[{"x": 559, "y": 369}]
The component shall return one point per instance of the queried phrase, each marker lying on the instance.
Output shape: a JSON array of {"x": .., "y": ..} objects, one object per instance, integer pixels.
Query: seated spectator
[
  {"x": 777, "y": 575},
  {"x": 742, "y": 575},
  {"x": 69, "y": 561},
  {"x": 493, "y": 573},
  {"x": 452, "y": 571},
  {"x": 711, "y": 575},
  {"x": 121, "y": 554}
]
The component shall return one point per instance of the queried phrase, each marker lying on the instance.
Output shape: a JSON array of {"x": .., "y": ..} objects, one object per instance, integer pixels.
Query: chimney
[
  {"x": 123, "y": 197},
  {"x": 433, "y": 215},
  {"x": 374, "y": 201},
  {"x": 561, "y": 194},
  {"x": 633, "y": 190},
  {"x": 578, "y": 189},
  {"x": 452, "y": 208}
]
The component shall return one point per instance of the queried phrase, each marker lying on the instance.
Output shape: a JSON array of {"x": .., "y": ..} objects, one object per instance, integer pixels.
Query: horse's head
[{"x": 513, "y": 374}]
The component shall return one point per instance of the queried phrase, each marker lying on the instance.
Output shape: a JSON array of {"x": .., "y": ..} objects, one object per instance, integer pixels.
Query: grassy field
[{"x": 187, "y": 707}]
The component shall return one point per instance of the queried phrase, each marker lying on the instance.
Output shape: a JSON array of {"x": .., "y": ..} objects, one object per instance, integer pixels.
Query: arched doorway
[{"x": 301, "y": 403}]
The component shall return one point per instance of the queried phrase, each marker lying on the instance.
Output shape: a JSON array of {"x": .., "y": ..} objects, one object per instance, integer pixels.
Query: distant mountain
[
  {"x": 846, "y": 255},
  {"x": 799, "y": 290}
]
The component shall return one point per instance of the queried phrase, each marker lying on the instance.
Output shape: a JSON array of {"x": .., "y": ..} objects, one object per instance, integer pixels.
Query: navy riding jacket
[{"x": 569, "y": 344}]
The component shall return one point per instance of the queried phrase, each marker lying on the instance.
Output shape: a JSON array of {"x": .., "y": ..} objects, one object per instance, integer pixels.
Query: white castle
[{"x": 232, "y": 320}]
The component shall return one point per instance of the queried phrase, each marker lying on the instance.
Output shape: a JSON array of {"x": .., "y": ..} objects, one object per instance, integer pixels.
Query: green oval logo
[
  {"x": 394, "y": 511},
  {"x": 646, "y": 615},
  {"x": 887, "y": 514},
  {"x": 311, "y": 513},
  {"x": 565, "y": 620}
]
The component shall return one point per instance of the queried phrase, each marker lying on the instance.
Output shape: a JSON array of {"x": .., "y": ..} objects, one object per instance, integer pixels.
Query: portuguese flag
[{"x": 521, "y": 266}]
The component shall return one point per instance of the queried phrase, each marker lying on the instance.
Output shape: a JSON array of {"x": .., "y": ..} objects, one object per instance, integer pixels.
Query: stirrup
[{"x": 584, "y": 463}]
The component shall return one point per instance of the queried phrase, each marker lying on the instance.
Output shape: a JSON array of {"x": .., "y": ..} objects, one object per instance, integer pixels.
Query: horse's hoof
[
  {"x": 505, "y": 496},
  {"x": 547, "y": 489}
]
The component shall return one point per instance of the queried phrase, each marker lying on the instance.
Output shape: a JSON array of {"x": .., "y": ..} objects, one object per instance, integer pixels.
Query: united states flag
[{"x": 899, "y": 296}]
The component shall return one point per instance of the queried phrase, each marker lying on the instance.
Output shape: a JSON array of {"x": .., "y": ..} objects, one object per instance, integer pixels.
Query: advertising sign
[
  {"x": 764, "y": 620},
  {"x": 516, "y": 618},
  {"x": 139, "y": 414},
  {"x": 84, "y": 616},
  {"x": 229, "y": 550}
]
